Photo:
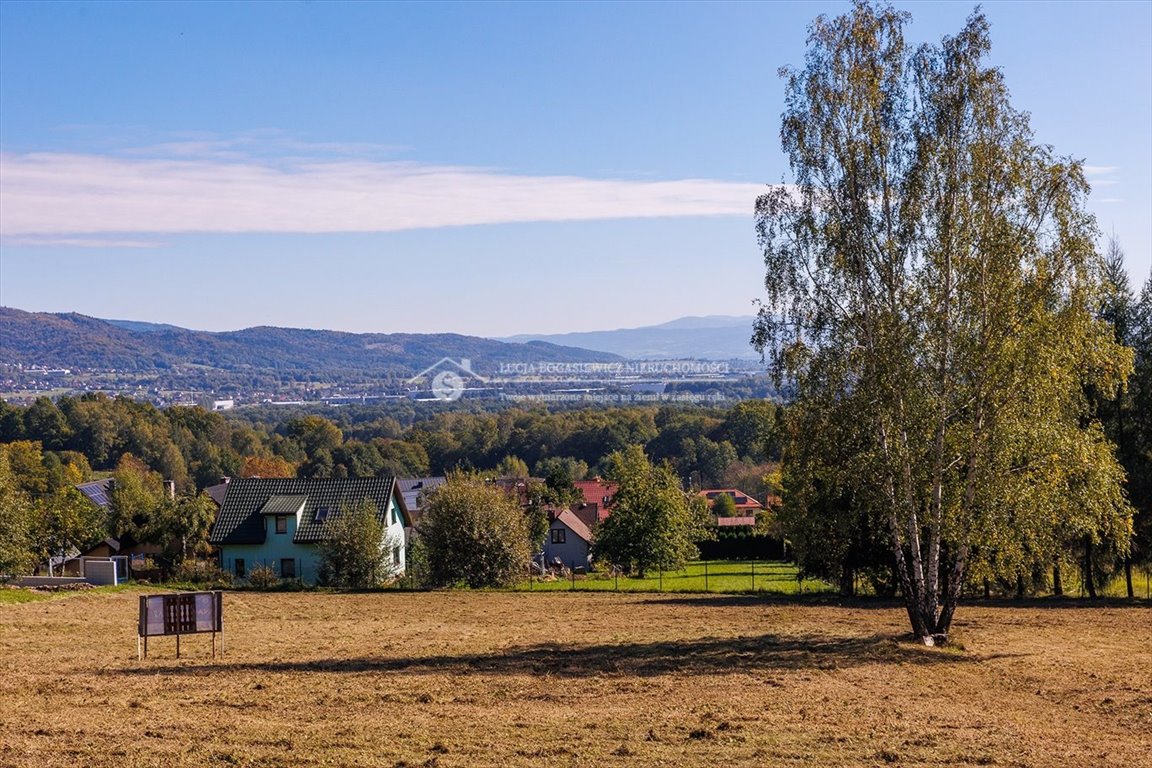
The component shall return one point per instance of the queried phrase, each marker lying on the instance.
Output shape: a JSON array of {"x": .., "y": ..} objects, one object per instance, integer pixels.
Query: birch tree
[{"x": 931, "y": 275}]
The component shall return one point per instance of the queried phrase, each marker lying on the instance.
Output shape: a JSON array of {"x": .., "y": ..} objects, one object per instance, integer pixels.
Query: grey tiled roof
[
  {"x": 217, "y": 492},
  {"x": 283, "y": 505},
  {"x": 240, "y": 519}
]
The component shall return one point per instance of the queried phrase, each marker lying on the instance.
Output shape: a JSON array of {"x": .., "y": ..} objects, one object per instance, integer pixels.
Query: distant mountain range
[
  {"x": 714, "y": 337},
  {"x": 79, "y": 342}
]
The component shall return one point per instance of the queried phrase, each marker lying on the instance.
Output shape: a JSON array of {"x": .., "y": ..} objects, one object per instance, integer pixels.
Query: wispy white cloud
[
  {"x": 1101, "y": 176},
  {"x": 268, "y": 144},
  {"x": 77, "y": 242},
  {"x": 213, "y": 187}
]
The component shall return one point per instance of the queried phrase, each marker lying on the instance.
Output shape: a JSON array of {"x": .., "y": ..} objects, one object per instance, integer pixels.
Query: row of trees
[{"x": 195, "y": 448}]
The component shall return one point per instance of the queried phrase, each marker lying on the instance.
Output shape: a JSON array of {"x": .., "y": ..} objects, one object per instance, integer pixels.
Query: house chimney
[
  {"x": 225, "y": 480},
  {"x": 170, "y": 489}
]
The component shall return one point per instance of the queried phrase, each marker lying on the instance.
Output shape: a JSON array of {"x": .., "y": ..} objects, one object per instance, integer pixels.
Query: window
[
  {"x": 240, "y": 568},
  {"x": 281, "y": 524},
  {"x": 558, "y": 535},
  {"x": 394, "y": 518},
  {"x": 287, "y": 568},
  {"x": 396, "y": 555}
]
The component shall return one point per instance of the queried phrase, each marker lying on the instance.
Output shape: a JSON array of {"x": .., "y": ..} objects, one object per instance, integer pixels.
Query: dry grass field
[{"x": 515, "y": 679}]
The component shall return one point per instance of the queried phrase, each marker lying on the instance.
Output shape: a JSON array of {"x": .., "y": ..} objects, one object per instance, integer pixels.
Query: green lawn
[
  {"x": 699, "y": 576},
  {"x": 15, "y": 596}
]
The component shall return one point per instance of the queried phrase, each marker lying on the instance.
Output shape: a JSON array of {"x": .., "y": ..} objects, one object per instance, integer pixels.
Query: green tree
[
  {"x": 561, "y": 471},
  {"x": 314, "y": 434},
  {"x": 26, "y": 460},
  {"x": 358, "y": 459},
  {"x": 834, "y": 535},
  {"x": 16, "y": 519},
  {"x": 931, "y": 281},
  {"x": 181, "y": 527},
  {"x": 1140, "y": 469},
  {"x": 11, "y": 422},
  {"x": 712, "y": 460},
  {"x": 512, "y": 466},
  {"x": 45, "y": 422},
  {"x": 402, "y": 459},
  {"x": 64, "y": 520},
  {"x": 654, "y": 524},
  {"x": 751, "y": 426},
  {"x": 724, "y": 506},
  {"x": 474, "y": 534},
  {"x": 137, "y": 496},
  {"x": 355, "y": 554},
  {"x": 1122, "y": 421}
]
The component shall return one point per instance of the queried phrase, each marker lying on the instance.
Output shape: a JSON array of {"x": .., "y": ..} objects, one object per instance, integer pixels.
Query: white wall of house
[{"x": 563, "y": 543}]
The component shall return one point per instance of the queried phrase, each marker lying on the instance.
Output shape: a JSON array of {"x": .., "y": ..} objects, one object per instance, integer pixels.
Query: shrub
[
  {"x": 263, "y": 577},
  {"x": 475, "y": 534},
  {"x": 356, "y": 555},
  {"x": 415, "y": 574},
  {"x": 201, "y": 572}
]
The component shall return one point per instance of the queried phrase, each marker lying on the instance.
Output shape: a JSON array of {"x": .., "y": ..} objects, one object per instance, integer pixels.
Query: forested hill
[{"x": 77, "y": 341}]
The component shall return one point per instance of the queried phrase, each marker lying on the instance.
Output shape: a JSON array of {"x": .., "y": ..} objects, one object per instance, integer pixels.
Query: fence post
[{"x": 616, "y": 577}]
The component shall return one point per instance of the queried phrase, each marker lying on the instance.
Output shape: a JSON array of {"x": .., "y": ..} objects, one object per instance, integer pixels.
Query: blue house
[{"x": 280, "y": 522}]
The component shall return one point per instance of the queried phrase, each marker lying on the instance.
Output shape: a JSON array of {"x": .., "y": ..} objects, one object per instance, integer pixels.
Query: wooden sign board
[{"x": 184, "y": 613}]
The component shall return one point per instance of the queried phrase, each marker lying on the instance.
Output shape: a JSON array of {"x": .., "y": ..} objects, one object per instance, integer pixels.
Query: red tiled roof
[
  {"x": 589, "y": 514},
  {"x": 596, "y": 491}
]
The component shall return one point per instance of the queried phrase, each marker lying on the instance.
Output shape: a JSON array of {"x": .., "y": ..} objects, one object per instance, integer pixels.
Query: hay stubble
[{"x": 506, "y": 679}]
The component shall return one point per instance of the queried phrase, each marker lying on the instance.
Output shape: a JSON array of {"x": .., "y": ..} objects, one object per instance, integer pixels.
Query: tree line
[
  {"x": 196, "y": 448},
  {"x": 51, "y": 446}
]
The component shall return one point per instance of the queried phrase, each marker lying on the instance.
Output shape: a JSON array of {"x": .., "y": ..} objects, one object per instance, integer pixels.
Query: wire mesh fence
[
  {"x": 774, "y": 577},
  {"x": 738, "y": 576}
]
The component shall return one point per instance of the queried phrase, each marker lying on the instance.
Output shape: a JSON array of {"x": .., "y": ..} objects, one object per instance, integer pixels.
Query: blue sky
[{"x": 487, "y": 169}]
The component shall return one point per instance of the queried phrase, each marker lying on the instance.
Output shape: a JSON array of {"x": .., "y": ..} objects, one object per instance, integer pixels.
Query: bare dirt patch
[{"x": 508, "y": 679}]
